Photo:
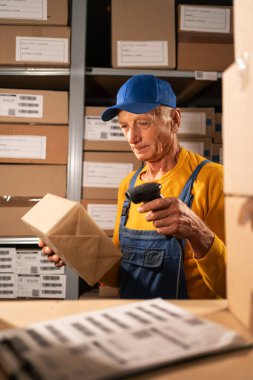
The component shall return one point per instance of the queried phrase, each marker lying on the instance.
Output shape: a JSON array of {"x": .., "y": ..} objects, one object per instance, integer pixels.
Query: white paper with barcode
[
  {"x": 118, "y": 341},
  {"x": 25, "y": 9},
  {"x": 97, "y": 130},
  {"x": 23, "y": 146},
  {"x": 193, "y": 123},
  {"x": 21, "y": 105}
]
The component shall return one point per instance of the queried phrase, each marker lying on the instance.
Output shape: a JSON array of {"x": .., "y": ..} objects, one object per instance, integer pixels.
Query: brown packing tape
[{"x": 67, "y": 228}]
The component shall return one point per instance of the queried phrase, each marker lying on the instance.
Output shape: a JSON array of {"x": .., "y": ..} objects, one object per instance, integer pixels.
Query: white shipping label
[
  {"x": 53, "y": 286},
  {"x": 104, "y": 174},
  {"x": 27, "y": 262},
  {"x": 193, "y": 123},
  {"x": 103, "y": 214},
  {"x": 96, "y": 129},
  {"x": 205, "y": 19},
  {"x": 28, "y": 286},
  {"x": 142, "y": 53},
  {"x": 21, "y": 105},
  {"x": 25, "y": 9},
  {"x": 194, "y": 146},
  {"x": 42, "y": 49},
  {"x": 22, "y": 146}
]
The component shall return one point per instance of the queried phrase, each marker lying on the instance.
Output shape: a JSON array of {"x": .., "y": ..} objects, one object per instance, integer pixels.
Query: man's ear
[{"x": 176, "y": 117}]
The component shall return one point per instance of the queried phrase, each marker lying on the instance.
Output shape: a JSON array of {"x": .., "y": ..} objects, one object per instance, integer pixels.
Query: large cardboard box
[
  {"x": 32, "y": 180},
  {"x": 239, "y": 237},
  {"x": 143, "y": 33},
  {"x": 33, "y": 106},
  {"x": 41, "y": 144},
  {"x": 100, "y": 135},
  {"x": 103, "y": 212},
  {"x": 34, "y": 45},
  {"x": 103, "y": 172},
  {"x": 205, "y": 38},
  {"x": 26, "y": 12},
  {"x": 196, "y": 121},
  {"x": 10, "y": 221},
  {"x": 202, "y": 146},
  {"x": 237, "y": 130}
]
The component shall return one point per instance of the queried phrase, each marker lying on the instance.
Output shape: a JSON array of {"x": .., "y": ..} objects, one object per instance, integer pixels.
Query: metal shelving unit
[{"x": 76, "y": 74}]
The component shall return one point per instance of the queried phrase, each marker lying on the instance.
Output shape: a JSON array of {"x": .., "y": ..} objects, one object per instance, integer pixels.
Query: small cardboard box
[
  {"x": 237, "y": 91},
  {"x": 196, "y": 121},
  {"x": 26, "y": 13},
  {"x": 34, "y": 46},
  {"x": 239, "y": 237},
  {"x": 143, "y": 33},
  {"x": 103, "y": 172},
  {"x": 103, "y": 212},
  {"x": 33, "y": 106},
  {"x": 100, "y": 135},
  {"x": 203, "y": 43},
  {"x": 67, "y": 228},
  {"x": 40, "y": 144},
  {"x": 202, "y": 146},
  {"x": 32, "y": 180}
]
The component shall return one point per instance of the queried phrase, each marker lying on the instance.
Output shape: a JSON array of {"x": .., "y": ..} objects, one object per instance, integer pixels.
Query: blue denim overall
[{"x": 150, "y": 261}]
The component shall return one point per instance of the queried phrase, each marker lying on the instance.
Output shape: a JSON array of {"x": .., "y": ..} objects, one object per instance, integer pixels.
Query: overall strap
[
  {"x": 126, "y": 204},
  {"x": 186, "y": 194}
]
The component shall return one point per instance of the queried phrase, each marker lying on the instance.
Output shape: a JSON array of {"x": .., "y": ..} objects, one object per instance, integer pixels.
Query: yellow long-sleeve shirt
[{"x": 205, "y": 278}]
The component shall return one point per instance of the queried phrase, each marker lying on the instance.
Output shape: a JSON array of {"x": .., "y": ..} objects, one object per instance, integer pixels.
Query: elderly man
[{"x": 172, "y": 247}]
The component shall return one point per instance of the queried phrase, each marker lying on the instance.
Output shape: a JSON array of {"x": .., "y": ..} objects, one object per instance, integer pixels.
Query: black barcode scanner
[{"x": 144, "y": 193}]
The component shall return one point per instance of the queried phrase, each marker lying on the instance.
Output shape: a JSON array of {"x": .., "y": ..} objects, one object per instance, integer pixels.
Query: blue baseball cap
[{"x": 141, "y": 94}]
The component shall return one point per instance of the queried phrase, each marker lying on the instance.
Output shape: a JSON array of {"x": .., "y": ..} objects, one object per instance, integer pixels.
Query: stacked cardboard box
[
  {"x": 205, "y": 38},
  {"x": 143, "y": 33},
  {"x": 238, "y": 135},
  {"x": 195, "y": 132},
  {"x": 107, "y": 160}
]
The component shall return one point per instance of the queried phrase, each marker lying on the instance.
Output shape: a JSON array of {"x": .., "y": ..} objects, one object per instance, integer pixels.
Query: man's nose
[{"x": 134, "y": 136}]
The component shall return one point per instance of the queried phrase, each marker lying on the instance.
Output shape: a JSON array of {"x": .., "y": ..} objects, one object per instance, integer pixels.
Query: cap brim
[{"x": 132, "y": 107}]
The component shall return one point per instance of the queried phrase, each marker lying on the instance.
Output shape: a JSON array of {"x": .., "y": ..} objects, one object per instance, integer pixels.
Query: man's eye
[{"x": 143, "y": 124}]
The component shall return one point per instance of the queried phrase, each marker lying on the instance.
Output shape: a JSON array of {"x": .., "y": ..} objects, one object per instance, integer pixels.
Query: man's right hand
[{"x": 51, "y": 256}]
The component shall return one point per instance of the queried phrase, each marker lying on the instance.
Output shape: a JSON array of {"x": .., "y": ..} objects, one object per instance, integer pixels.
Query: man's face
[{"x": 149, "y": 139}]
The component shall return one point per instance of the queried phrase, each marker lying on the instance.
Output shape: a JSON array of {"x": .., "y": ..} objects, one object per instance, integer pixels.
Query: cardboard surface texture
[
  {"x": 237, "y": 94},
  {"x": 67, "y": 228},
  {"x": 239, "y": 236},
  {"x": 243, "y": 11}
]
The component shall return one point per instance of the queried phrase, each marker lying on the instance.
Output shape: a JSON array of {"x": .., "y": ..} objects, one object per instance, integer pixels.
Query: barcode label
[
  {"x": 206, "y": 75},
  {"x": 34, "y": 270},
  {"x": 4, "y": 253},
  {"x": 52, "y": 285},
  {"x": 5, "y": 259},
  {"x": 21, "y": 105},
  {"x": 5, "y": 278},
  {"x": 104, "y": 135},
  {"x": 5, "y": 266},
  {"x": 35, "y": 293},
  {"x": 51, "y": 292},
  {"x": 6, "y": 285},
  {"x": 11, "y": 112},
  {"x": 5, "y": 292},
  {"x": 55, "y": 278}
]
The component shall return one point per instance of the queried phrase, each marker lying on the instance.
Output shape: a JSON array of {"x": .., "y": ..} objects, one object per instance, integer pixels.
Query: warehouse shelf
[
  {"x": 129, "y": 72},
  {"x": 19, "y": 241},
  {"x": 34, "y": 71}
]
